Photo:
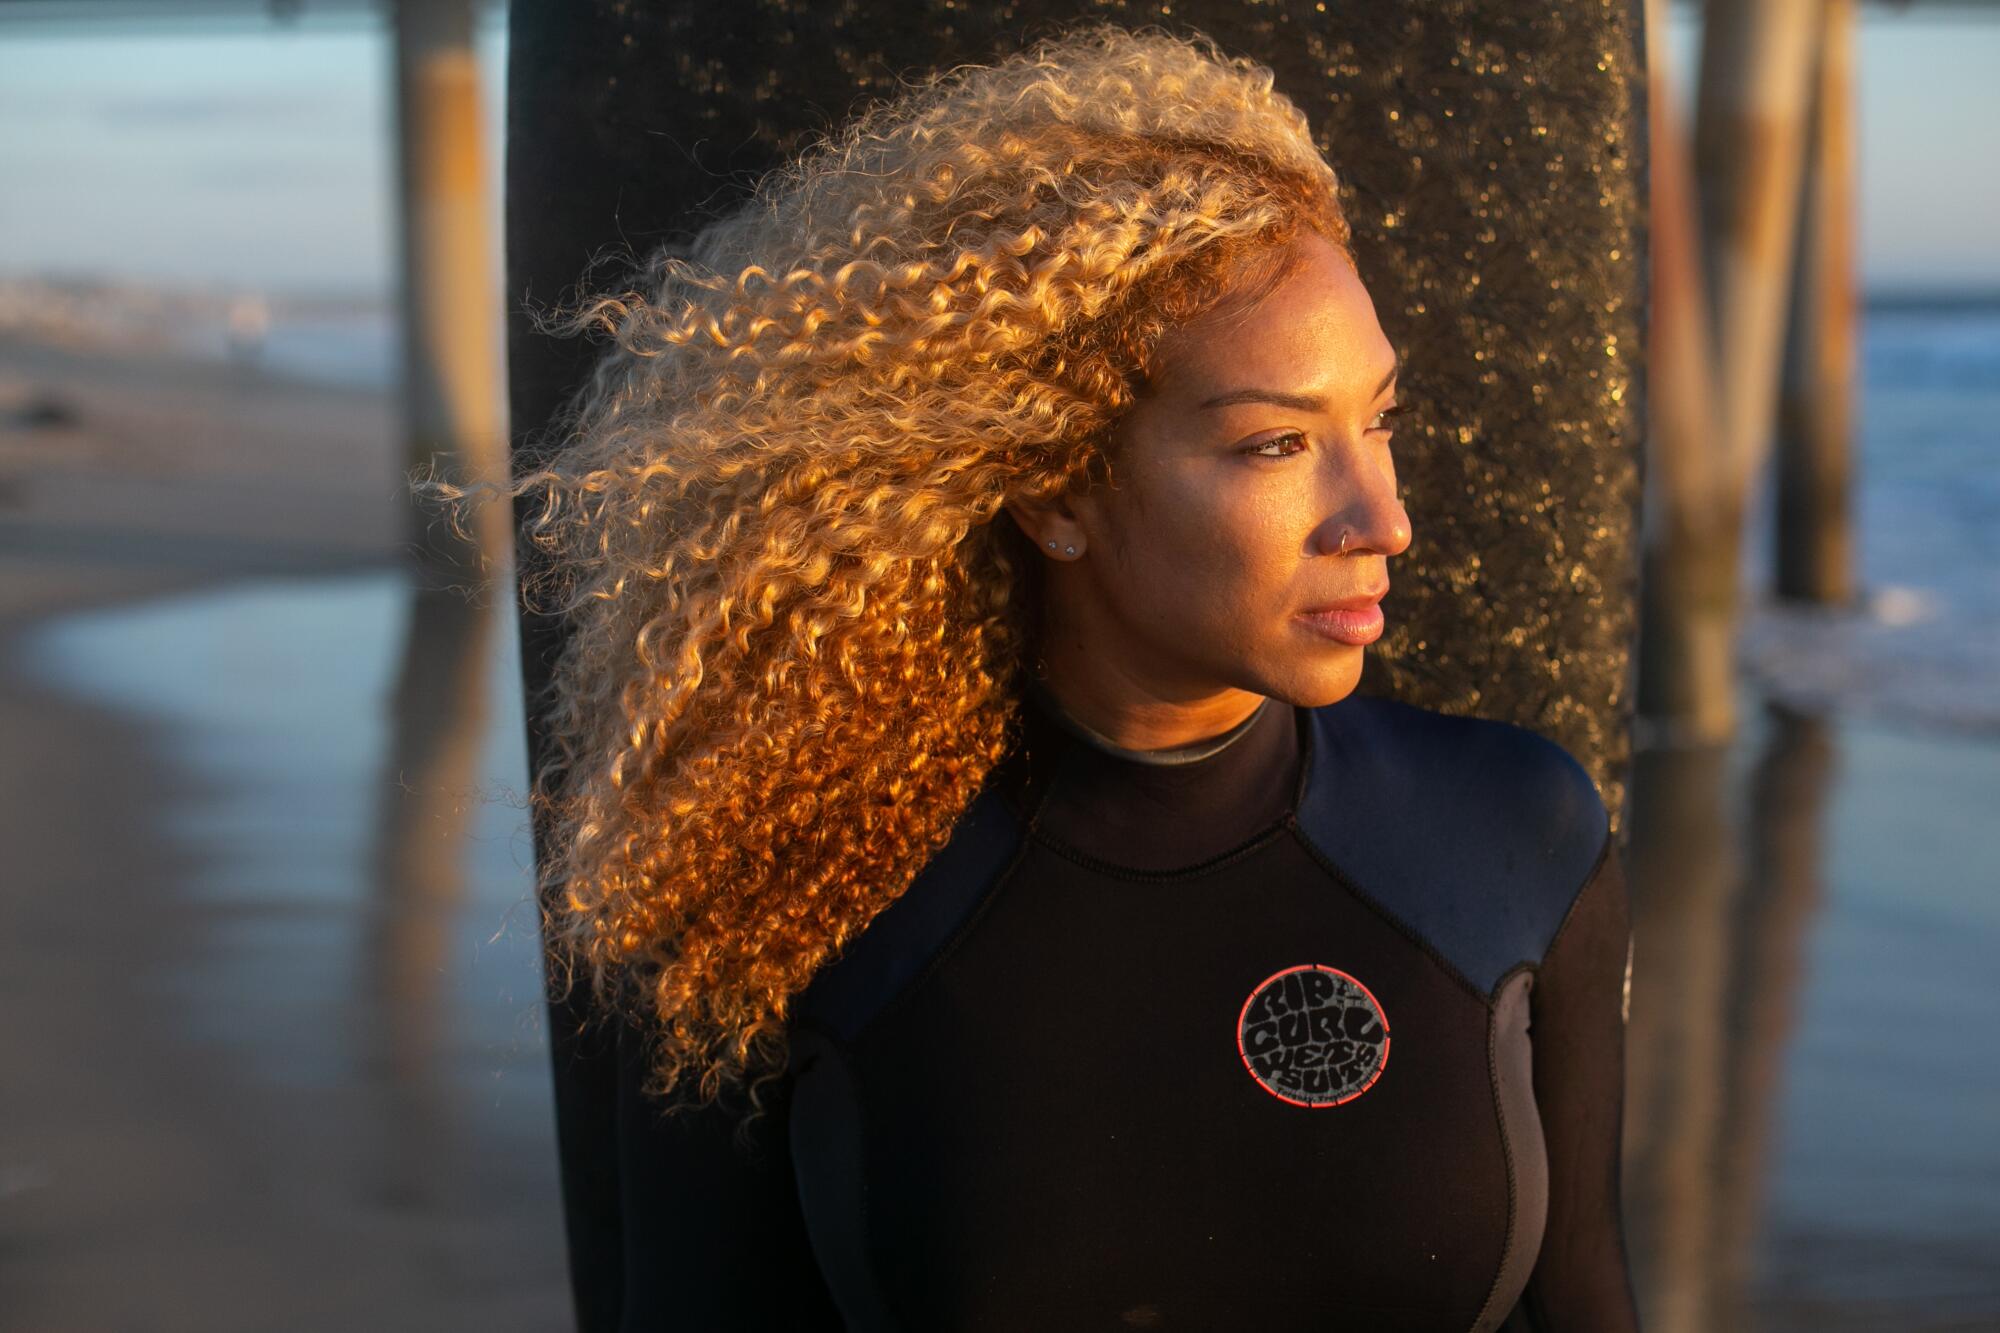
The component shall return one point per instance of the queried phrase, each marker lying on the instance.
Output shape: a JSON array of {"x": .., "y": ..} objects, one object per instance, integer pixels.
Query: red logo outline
[{"x": 1381, "y": 1016}]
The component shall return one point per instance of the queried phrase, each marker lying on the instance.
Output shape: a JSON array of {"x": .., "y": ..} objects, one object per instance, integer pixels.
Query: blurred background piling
[{"x": 271, "y": 1043}]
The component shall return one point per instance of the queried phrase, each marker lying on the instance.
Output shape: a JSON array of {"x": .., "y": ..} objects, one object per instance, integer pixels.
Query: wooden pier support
[
  {"x": 1714, "y": 418},
  {"x": 450, "y": 295},
  {"x": 1814, "y": 534}
]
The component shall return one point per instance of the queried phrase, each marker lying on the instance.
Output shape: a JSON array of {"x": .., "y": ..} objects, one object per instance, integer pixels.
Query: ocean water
[{"x": 1924, "y": 645}]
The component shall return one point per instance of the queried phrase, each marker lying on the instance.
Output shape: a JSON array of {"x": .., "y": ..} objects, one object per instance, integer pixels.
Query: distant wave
[
  {"x": 1925, "y": 347},
  {"x": 1906, "y": 653},
  {"x": 344, "y": 340}
]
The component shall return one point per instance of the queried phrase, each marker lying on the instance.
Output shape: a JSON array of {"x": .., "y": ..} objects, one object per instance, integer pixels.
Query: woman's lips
[{"x": 1359, "y": 626}]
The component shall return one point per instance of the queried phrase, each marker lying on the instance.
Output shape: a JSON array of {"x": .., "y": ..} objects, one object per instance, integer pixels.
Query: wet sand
[
  {"x": 176, "y": 473},
  {"x": 1810, "y": 1097},
  {"x": 219, "y": 1107}
]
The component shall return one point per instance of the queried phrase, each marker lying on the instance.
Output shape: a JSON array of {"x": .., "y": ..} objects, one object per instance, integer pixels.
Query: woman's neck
[{"x": 1187, "y": 752}]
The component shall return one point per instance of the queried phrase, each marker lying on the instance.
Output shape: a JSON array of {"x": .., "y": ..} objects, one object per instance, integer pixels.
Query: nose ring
[{"x": 1343, "y": 540}]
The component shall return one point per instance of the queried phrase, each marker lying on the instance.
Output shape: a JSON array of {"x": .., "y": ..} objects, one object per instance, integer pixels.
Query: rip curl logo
[{"x": 1313, "y": 1036}]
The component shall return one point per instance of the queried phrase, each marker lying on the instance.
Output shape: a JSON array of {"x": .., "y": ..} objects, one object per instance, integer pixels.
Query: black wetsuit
[{"x": 1323, "y": 1029}]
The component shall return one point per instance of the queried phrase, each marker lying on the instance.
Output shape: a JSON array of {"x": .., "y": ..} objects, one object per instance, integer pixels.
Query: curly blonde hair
[{"x": 795, "y": 633}]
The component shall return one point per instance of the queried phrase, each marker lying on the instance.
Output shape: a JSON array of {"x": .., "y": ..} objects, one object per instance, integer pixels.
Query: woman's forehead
[{"x": 1314, "y": 333}]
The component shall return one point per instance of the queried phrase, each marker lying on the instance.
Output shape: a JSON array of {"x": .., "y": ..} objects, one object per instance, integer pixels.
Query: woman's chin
[{"x": 1329, "y": 678}]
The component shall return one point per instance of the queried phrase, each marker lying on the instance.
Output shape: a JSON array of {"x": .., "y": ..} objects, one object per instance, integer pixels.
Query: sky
[
  {"x": 204, "y": 153},
  {"x": 252, "y": 154}
]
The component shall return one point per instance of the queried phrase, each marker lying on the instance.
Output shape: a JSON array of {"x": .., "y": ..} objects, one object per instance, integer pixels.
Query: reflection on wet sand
[
  {"x": 1746, "y": 888},
  {"x": 1684, "y": 869},
  {"x": 1717, "y": 930},
  {"x": 358, "y": 967},
  {"x": 1788, "y": 792},
  {"x": 438, "y": 724}
]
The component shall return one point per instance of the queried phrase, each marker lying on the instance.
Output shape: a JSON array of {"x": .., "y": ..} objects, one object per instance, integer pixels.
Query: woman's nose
[{"x": 1374, "y": 523}]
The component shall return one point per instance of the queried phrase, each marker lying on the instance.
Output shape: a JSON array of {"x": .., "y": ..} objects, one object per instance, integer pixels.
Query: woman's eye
[
  {"x": 1384, "y": 420},
  {"x": 1257, "y": 450},
  {"x": 1391, "y": 411}
]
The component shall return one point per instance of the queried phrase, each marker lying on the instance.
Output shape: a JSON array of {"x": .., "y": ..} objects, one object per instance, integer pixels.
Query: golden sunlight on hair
[{"x": 795, "y": 631}]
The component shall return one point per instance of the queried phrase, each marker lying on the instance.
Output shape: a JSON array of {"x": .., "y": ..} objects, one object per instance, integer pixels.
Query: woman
[{"x": 969, "y": 551}]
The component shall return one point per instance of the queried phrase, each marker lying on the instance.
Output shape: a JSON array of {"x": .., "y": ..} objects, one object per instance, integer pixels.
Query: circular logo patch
[{"x": 1313, "y": 1036}]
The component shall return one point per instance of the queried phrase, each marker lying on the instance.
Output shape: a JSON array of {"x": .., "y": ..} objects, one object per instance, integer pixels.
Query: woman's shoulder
[
  {"x": 1430, "y": 811},
  {"x": 1460, "y": 760}
]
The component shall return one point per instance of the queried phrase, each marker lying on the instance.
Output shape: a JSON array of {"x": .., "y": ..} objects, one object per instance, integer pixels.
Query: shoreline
[{"x": 171, "y": 472}]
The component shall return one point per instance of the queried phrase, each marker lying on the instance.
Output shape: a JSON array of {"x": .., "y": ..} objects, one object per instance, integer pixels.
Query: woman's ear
[{"x": 1051, "y": 526}]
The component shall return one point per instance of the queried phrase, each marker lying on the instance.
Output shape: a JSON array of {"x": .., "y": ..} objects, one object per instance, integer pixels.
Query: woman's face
[{"x": 1196, "y": 572}]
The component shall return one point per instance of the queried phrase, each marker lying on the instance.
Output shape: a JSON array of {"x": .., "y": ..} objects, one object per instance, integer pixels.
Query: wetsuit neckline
[
  {"x": 1123, "y": 809},
  {"x": 1193, "y": 752}
]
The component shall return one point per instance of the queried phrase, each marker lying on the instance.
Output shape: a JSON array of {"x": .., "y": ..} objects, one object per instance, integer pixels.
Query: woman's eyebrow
[{"x": 1302, "y": 402}]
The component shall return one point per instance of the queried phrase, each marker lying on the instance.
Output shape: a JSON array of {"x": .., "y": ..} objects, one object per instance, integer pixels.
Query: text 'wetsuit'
[{"x": 1321, "y": 1028}]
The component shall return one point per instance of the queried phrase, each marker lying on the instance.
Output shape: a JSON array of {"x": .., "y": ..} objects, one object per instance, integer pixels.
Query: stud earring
[
  {"x": 1052, "y": 546},
  {"x": 1069, "y": 550}
]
